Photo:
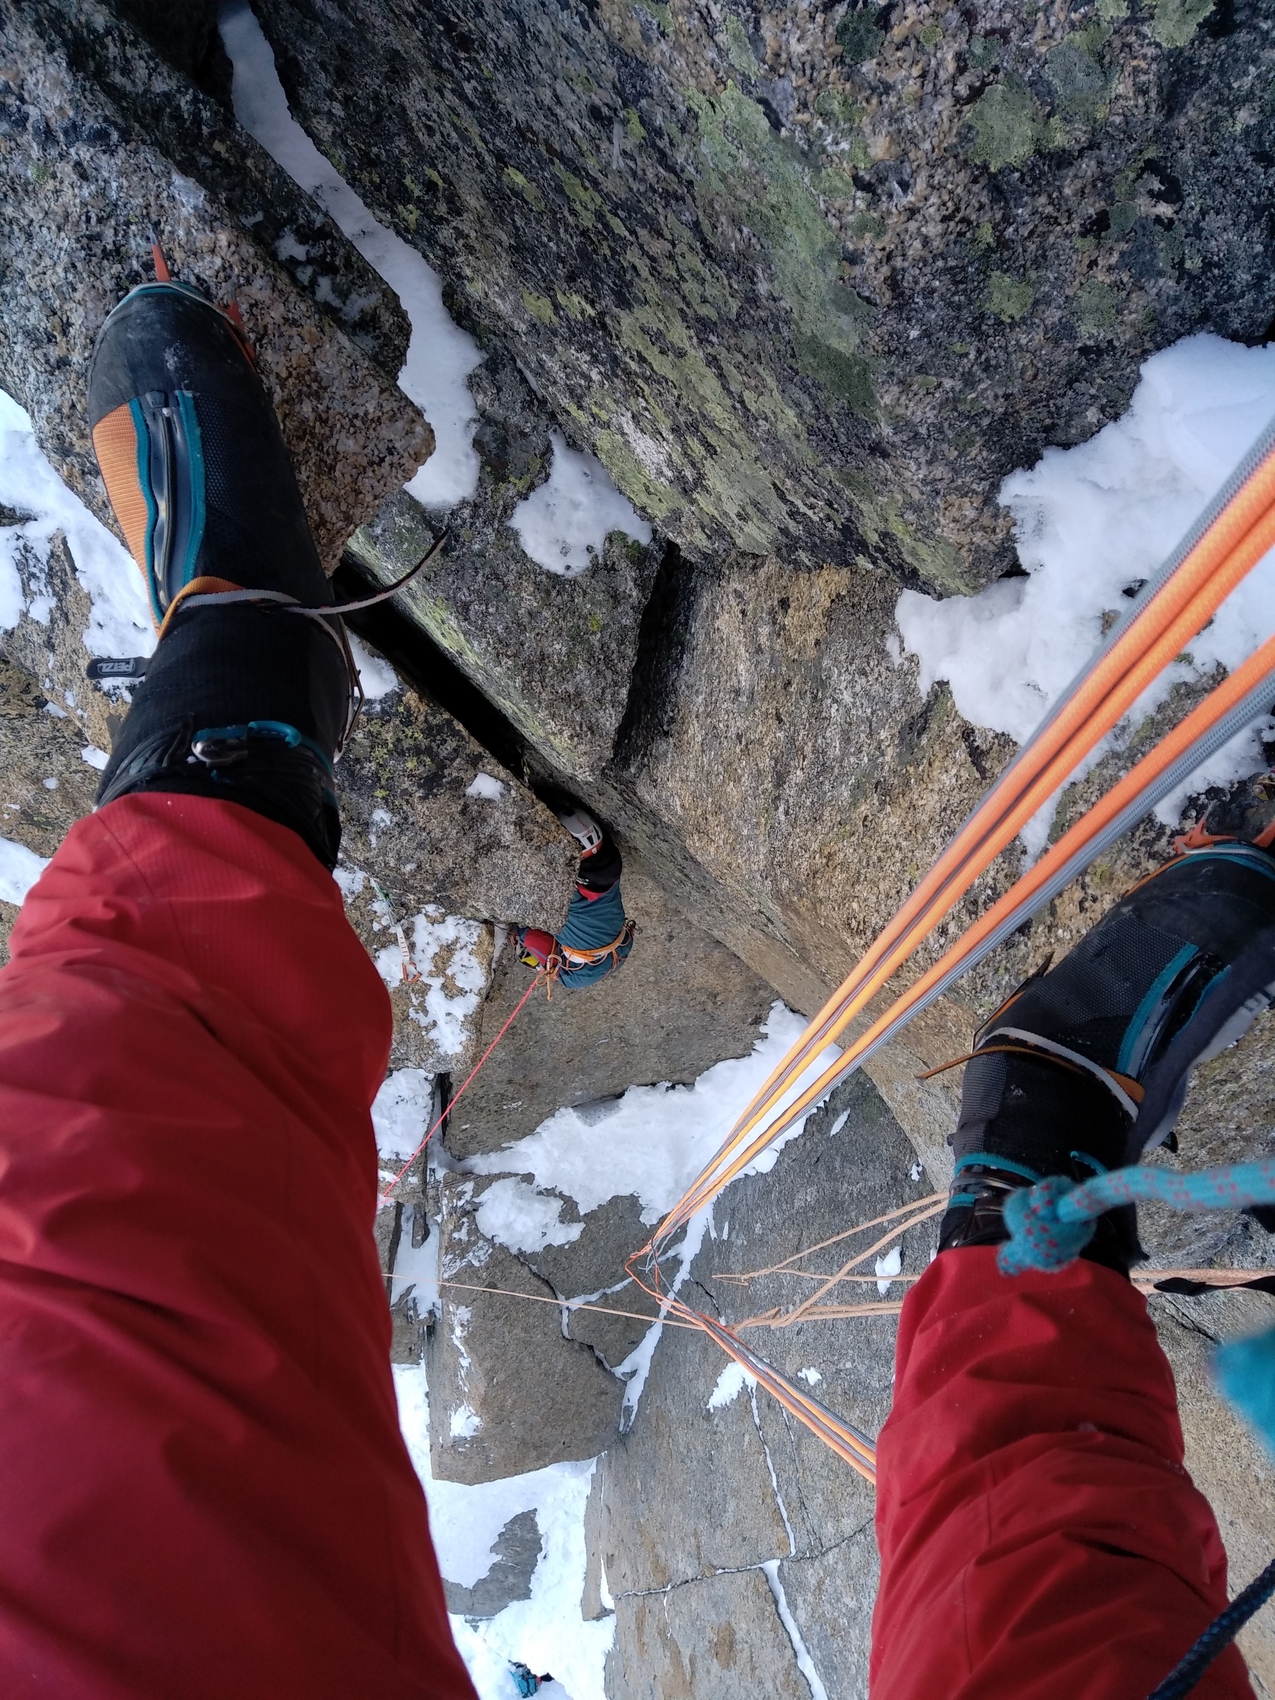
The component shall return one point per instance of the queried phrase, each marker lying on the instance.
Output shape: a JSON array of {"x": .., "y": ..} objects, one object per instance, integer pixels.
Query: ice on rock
[{"x": 440, "y": 356}]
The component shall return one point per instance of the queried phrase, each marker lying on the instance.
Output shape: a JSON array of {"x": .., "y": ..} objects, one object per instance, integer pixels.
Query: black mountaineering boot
[
  {"x": 1086, "y": 1065},
  {"x": 243, "y": 700}
]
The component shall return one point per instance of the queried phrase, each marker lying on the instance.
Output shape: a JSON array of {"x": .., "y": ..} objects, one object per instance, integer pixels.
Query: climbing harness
[
  {"x": 571, "y": 957},
  {"x": 1230, "y": 537},
  {"x": 563, "y": 958}
]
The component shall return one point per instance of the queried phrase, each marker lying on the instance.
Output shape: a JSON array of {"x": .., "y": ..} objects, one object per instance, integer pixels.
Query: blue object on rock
[{"x": 1244, "y": 1371}]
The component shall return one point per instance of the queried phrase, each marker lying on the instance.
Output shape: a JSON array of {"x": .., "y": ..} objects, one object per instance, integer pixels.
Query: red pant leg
[
  {"x": 1040, "y": 1538},
  {"x": 203, "y": 1490}
]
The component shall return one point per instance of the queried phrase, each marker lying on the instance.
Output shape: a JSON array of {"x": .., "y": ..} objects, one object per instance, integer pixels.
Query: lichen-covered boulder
[{"x": 812, "y": 281}]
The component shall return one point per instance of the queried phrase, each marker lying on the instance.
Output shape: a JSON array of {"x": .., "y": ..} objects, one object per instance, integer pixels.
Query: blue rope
[
  {"x": 1051, "y": 1224},
  {"x": 1219, "y": 1634}
]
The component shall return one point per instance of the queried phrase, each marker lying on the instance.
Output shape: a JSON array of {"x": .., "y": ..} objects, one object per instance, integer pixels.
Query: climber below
[{"x": 596, "y": 937}]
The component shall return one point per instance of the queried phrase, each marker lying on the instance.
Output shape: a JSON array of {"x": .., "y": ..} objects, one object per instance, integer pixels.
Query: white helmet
[{"x": 584, "y": 829}]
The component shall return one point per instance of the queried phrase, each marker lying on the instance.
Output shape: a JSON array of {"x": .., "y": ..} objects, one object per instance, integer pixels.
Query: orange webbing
[
  {"x": 115, "y": 445},
  {"x": 598, "y": 953},
  {"x": 1180, "y": 609}
]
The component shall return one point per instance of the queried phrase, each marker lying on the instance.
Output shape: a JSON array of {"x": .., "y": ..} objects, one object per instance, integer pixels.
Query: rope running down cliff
[{"x": 1230, "y": 537}]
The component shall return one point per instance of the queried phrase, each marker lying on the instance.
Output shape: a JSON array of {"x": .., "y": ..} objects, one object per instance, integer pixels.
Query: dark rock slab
[
  {"x": 516, "y": 1554},
  {"x": 810, "y": 285},
  {"x": 508, "y": 1393}
]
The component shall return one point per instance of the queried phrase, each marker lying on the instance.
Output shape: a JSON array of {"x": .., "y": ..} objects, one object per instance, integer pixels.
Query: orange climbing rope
[{"x": 1232, "y": 535}]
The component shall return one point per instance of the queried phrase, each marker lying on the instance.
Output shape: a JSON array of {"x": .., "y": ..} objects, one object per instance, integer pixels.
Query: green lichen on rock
[
  {"x": 767, "y": 181},
  {"x": 527, "y": 190},
  {"x": 1095, "y": 309},
  {"x": 739, "y": 49},
  {"x": 1008, "y": 124},
  {"x": 1081, "y": 87},
  {"x": 858, "y": 34},
  {"x": 539, "y": 307},
  {"x": 1176, "y": 21},
  {"x": 1008, "y": 297},
  {"x": 881, "y": 518}
]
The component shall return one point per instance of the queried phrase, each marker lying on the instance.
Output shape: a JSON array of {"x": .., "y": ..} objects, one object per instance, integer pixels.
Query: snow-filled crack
[
  {"x": 770, "y": 1465},
  {"x": 805, "y": 1664}
]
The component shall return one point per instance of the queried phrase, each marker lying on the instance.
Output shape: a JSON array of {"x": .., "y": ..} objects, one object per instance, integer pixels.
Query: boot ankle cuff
[
  {"x": 287, "y": 780},
  {"x": 975, "y": 1217}
]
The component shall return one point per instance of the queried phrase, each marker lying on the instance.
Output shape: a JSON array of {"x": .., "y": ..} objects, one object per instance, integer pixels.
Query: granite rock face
[
  {"x": 508, "y": 1393},
  {"x": 706, "y": 1483},
  {"x": 89, "y": 173},
  {"x": 428, "y": 867},
  {"x": 810, "y": 281}
]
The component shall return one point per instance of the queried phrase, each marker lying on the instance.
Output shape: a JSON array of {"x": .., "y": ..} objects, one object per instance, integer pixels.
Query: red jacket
[
  {"x": 1040, "y": 1538},
  {"x": 203, "y": 1490}
]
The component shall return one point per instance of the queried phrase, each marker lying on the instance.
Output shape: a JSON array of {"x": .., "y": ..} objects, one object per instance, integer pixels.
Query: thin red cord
[{"x": 448, "y": 1110}]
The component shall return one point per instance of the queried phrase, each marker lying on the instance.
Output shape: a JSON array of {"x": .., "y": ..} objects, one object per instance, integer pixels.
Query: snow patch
[
  {"x": 465, "y": 1423},
  {"x": 376, "y": 675},
  {"x": 452, "y": 979},
  {"x": 523, "y": 1219},
  {"x": 730, "y": 1384},
  {"x": 94, "y": 757},
  {"x": 1092, "y": 523},
  {"x": 811, "y": 1377},
  {"x": 655, "y": 1139},
  {"x": 888, "y": 1265},
  {"x": 546, "y": 1630},
  {"x": 350, "y": 879},
  {"x": 20, "y": 868},
  {"x": 487, "y": 786},
  {"x": 440, "y": 356},
  {"x": 563, "y": 525},
  {"x": 401, "y": 1112},
  {"x": 840, "y": 1122},
  {"x": 119, "y": 622}
]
